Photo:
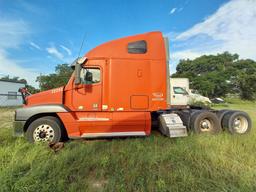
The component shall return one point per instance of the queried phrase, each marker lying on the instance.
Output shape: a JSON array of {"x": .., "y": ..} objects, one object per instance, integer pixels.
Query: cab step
[{"x": 171, "y": 125}]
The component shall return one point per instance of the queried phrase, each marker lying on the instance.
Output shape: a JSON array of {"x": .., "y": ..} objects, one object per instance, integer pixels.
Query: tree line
[
  {"x": 219, "y": 75},
  {"x": 57, "y": 79}
]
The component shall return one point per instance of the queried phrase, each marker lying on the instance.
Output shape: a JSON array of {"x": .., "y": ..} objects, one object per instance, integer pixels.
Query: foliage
[
  {"x": 32, "y": 89},
  {"x": 57, "y": 79},
  {"x": 218, "y": 75},
  {"x": 220, "y": 162},
  {"x": 14, "y": 79}
]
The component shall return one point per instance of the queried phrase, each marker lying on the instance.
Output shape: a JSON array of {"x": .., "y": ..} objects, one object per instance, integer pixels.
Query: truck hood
[
  {"x": 199, "y": 98},
  {"x": 52, "y": 96}
]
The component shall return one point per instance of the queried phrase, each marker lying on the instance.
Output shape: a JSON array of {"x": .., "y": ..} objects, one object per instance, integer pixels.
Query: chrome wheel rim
[
  {"x": 240, "y": 124},
  {"x": 206, "y": 125},
  {"x": 43, "y": 133}
]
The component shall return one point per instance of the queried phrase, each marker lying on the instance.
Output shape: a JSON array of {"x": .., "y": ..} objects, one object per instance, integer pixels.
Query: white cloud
[
  {"x": 35, "y": 45},
  {"x": 231, "y": 28},
  {"x": 11, "y": 67},
  {"x": 55, "y": 52},
  {"x": 66, "y": 49},
  {"x": 173, "y": 11},
  {"x": 12, "y": 35}
]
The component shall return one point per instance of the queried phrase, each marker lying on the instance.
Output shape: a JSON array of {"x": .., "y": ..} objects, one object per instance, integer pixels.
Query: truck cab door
[
  {"x": 179, "y": 96},
  {"x": 88, "y": 95},
  {"x": 87, "y": 101}
]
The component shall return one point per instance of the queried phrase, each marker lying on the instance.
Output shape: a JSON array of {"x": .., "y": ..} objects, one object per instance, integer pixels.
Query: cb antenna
[{"x": 81, "y": 46}]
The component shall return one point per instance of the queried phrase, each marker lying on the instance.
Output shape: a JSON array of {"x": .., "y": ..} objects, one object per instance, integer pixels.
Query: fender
[{"x": 23, "y": 114}]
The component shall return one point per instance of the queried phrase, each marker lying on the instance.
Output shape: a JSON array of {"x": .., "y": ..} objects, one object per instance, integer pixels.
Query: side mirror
[
  {"x": 78, "y": 68},
  {"x": 77, "y": 65},
  {"x": 88, "y": 76}
]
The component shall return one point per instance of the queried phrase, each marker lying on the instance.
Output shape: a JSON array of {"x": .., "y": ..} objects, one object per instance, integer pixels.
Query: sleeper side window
[
  {"x": 90, "y": 76},
  {"x": 137, "y": 47}
]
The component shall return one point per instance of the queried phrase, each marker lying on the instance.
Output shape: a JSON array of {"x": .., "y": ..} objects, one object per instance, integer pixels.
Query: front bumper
[{"x": 18, "y": 128}]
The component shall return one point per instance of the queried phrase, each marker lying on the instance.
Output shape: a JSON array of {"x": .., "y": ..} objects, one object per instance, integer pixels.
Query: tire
[
  {"x": 205, "y": 122},
  {"x": 237, "y": 122},
  {"x": 44, "y": 129},
  {"x": 186, "y": 115},
  {"x": 220, "y": 114}
]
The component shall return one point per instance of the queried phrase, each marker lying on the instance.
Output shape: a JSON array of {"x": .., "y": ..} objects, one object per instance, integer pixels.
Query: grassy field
[{"x": 196, "y": 163}]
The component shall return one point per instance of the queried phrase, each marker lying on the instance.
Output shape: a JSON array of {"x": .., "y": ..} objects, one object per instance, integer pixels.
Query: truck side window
[
  {"x": 137, "y": 47},
  {"x": 95, "y": 75},
  {"x": 180, "y": 90}
]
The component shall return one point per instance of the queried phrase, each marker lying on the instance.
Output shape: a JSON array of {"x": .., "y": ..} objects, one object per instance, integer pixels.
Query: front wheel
[{"x": 44, "y": 129}]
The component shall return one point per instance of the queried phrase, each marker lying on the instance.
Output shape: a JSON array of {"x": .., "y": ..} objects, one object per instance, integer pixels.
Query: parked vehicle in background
[
  {"x": 182, "y": 95},
  {"x": 217, "y": 100},
  {"x": 119, "y": 89}
]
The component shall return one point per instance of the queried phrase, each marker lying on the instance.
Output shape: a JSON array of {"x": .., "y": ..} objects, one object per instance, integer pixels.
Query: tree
[
  {"x": 32, "y": 89},
  {"x": 57, "y": 79},
  {"x": 246, "y": 79},
  {"x": 217, "y": 75},
  {"x": 14, "y": 79}
]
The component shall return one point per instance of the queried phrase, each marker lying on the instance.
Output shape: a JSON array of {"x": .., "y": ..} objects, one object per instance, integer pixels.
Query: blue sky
[{"x": 37, "y": 35}]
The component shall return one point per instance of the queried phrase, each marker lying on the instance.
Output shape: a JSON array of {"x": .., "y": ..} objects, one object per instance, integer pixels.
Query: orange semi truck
[{"x": 118, "y": 89}]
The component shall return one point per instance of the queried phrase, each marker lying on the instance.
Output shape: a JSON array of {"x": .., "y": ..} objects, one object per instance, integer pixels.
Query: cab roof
[{"x": 143, "y": 46}]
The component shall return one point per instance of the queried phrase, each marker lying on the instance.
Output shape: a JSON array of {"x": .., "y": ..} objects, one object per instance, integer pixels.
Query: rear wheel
[
  {"x": 237, "y": 122},
  {"x": 44, "y": 129},
  {"x": 220, "y": 114},
  {"x": 205, "y": 122}
]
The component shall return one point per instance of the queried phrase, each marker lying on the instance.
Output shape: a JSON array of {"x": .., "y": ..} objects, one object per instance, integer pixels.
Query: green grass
[{"x": 196, "y": 163}]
